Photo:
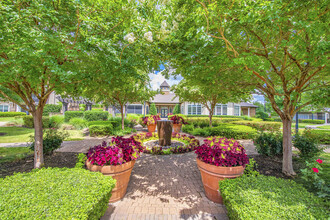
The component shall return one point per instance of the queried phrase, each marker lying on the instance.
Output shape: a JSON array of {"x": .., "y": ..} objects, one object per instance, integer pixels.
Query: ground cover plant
[
  {"x": 55, "y": 193},
  {"x": 266, "y": 197}
]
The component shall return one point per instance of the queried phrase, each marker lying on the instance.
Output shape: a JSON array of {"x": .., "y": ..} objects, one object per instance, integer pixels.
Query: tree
[
  {"x": 281, "y": 44},
  {"x": 176, "y": 109},
  {"x": 153, "y": 110},
  {"x": 50, "y": 46}
]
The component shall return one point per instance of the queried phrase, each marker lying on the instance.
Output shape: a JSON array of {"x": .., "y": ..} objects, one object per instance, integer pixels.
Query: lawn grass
[
  {"x": 19, "y": 134},
  {"x": 327, "y": 127},
  {"x": 3, "y": 119},
  {"x": 9, "y": 154}
]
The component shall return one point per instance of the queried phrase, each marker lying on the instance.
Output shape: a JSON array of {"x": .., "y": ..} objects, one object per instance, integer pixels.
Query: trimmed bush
[
  {"x": 214, "y": 116},
  {"x": 78, "y": 123},
  {"x": 307, "y": 146},
  {"x": 73, "y": 114},
  {"x": 267, "y": 197},
  {"x": 310, "y": 121},
  {"x": 55, "y": 193},
  {"x": 49, "y": 108},
  {"x": 187, "y": 128},
  {"x": 11, "y": 114},
  {"x": 52, "y": 140},
  {"x": 100, "y": 130},
  {"x": 261, "y": 125},
  {"x": 96, "y": 115},
  {"x": 320, "y": 136},
  {"x": 153, "y": 109},
  {"x": 117, "y": 121},
  {"x": 269, "y": 144},
  {"x": 57, "y": 120},
  {"x": 46, "y": 122}
]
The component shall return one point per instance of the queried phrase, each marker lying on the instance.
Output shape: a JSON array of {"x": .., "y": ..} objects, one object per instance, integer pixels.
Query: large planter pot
[
  {"x": 152, "y": 128},
  {"x": 121, "y": 173},
  {"x": 177, "y": 128},
  {"x": 211, "y": 175}
]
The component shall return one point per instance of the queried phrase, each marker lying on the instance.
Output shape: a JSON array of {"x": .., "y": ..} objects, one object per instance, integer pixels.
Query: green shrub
[
  {"x": 187, "y": 128},
  {"x": 49, "y": 108},
  {"x": 269, "y": 144},
  {"x": 311, "y": 121},
  {"x": 176, "y": 109},
  {"x": 11, "y": 114},
  {"x": 123, "y": 132},
  {"x": 266, "y": 197},
  {"x": 73, "y": 114},
  {"x": 153, "y": 110},
  {"x": 56, "y": 120},
  {"x": 81, "y": 160},
  {"x": 100, "y": 130},
  {"x": 52, "y": 140},
  {"x": 96, "y": 115},
  {"x": 261, "y": 125},
  {"x": 320, "y": 136},
  {"x": 29, "y": 122},
  {"x": 214, "y": 116},
  {"x": 307, "y": 146},
  {"x": 78, "y": 123},
  {"x": 204, "y": 132},
  {"x": 55, "y": 193},
  {"x": 97, "y": 109},
  {"x": 251, "y": 168},
  {"x": 117, "y": 121}
]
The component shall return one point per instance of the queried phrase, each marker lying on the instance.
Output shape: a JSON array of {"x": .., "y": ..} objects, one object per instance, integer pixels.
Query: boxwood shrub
[
  {"x": 215, "y": 116},
  {"x": 261, "y": 125},
  {"x": 11, "y": 114},
  {"x": 49, "y": 108},
  {"x": 96, "y": 115},
  {"x": 100, "y": 130},
  {"x": 55, "y": 193},
  {"x": 320, "y": 136},
  {"x": 311, "y": 121},
  {"x": 267, "y": 197},
  {"x": 46, "y": 122},
  {"x": 73, "y": 114}
]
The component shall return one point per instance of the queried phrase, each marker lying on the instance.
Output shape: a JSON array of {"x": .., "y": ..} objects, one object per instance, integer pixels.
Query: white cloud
[{"x": 157, "y": 79}]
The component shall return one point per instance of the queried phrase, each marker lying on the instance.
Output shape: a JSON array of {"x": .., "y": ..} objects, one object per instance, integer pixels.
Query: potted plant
[
  {"x": 177, "y": 123},
  {"x": 151, "y": 122},
  {"x": 217, "y": 159},
  {"x": 116, "y": 160}
]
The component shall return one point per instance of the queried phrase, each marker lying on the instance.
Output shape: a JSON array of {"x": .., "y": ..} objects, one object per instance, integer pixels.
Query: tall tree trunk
[
  {"x": 287, "y": 167},
  {"x": 122, "y": 117},
  {"x": 38, "y": 139},
  {"x": 210, "y": 118}
]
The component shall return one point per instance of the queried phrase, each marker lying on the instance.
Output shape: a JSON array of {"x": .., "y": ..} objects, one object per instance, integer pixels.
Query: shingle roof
[
  {"x": 245, "y": 104},
  {"x": 160, "y": 98},
  {"x": 165, "y": 84}
]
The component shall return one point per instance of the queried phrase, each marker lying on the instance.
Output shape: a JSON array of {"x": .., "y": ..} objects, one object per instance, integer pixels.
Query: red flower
[
  {"x": 319, "y": 161},
  {"x": 315, "y": 170}
]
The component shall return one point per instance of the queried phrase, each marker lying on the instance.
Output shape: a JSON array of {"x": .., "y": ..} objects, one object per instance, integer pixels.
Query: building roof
[
  {"x": 165, "y": 84},
  {"x": 166, "y": 98},
  {"x": 245, "y": 104}
]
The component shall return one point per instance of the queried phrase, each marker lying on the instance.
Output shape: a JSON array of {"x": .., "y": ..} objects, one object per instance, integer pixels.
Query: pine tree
[
  {"x": 176, "y": 109},
  {"x": 153, "y": 110}
]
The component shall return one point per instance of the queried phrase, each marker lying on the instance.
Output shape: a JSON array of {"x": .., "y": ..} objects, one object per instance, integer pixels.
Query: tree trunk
[
  {"x": 287, "y": 167},
  {"x": 38, "y": 139},
  {"x": 210, "y": 118},
  {"x": 122, "y": 117}
]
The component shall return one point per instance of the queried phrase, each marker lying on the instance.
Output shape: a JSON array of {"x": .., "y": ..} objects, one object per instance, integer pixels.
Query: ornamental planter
[
  {"x": 211, "y": 175},
  {"x": 177, "y": 128},
  {"x": 152, "y": 128},
  {"x": 121, "y": 173}
]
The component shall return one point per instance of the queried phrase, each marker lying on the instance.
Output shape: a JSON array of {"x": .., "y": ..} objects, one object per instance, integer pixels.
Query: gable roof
[
  {"x": 165, "y": 84},
  {"x": 166, "y": 98},
  {"x": 245, "y": 104}
]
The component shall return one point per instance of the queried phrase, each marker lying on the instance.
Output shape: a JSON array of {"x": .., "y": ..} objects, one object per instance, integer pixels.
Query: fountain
[{"x": 164, "y": 129}]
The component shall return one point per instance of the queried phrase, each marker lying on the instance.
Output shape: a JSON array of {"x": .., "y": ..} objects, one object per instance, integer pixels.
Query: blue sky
[{"x": 157, "y": 78}]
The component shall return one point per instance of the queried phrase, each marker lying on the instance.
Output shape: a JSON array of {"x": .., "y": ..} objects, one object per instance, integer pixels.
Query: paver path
[{"x": 165, "y": 187}]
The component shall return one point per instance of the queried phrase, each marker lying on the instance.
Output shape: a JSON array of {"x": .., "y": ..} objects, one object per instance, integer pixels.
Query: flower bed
[{"x": 190, "y": 143}]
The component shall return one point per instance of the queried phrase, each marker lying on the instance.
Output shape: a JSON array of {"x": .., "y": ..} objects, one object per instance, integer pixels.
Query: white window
[
  {"x": 236, "y": 110},
  {"x": 217, "y": 110},
  {"x": 4, "y": 108},
  {"x": 224, "y": 109},
  {"x": 194, "y": 109},
  {"x": 134, "y": 109}
]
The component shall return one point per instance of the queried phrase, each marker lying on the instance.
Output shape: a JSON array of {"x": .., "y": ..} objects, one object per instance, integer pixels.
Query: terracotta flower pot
[
  {"x": 177, "y": 128},
  {"x": 211, "y": 175},
  {"x": 152, "y": 128},
  {"x": 121, "y": 173}
]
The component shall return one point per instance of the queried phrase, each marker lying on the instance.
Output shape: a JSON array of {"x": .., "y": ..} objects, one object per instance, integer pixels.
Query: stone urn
[
  {"x": 121, "y": 173},
  {"x": 152, "y": 127},
  {"x": 177, "y": 128},
  {"x": 164, "y": 128},
  {"x": 211, "y": 175}
]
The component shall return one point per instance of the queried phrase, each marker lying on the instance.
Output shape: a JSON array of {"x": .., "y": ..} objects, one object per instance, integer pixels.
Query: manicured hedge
[
  {"x": 321, "y": 136},
  {"x": 114, "y": 124},
  {"x": 96, "y": 115},
  {"x": 46, "y": 122},
  {"x": 55, "y": 193},
  {"x": 310, "y": 121},
  {"x": 51, "y": 108},
  {"x": 261, "y": 125},
  {"x": 11, "y": 114},
  {"x": 266, "y": 197},
  {"x": 215, "y": 116},
  {"x": 73, "y": 114},
  {"x": 100, "y": 130}
]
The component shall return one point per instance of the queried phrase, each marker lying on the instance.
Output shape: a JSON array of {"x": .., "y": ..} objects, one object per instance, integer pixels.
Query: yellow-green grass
[
  {"x": 327, "y": 127},
  {"x": 9, "y": 154},
  {"x": 19, "y": 134},
  {"x": 3, "y": 119}
]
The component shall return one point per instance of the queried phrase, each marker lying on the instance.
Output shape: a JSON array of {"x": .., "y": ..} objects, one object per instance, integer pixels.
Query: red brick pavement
[{"x": 165, "y": 187}]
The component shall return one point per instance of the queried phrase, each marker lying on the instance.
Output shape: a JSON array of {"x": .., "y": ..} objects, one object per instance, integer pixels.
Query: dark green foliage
[
  {"x": 266, "y": 197},
  {"x": 187, "y": 128},
  {"x": 306, "y": 145},
  {"x": 73, "y": 114},
  {"x": 56, "y": 120},
  {"x": 46, "y": 122},
  {"x": 11, "y": 114},
  {"x": 52, "y": 140},
  {"x": 55, "y": 193},
  {"x": 269, "y": 144},
  {"x": 214, "y": 116},
  {"x": 310, "y": 121},
  {"x": 176, "y": 109},
  {"x": 153, "y": 109},
  {"x": 117, "y": 122},
  {"x": 100, "y": 130},
  {"x": 51, "y": 108},
  {"x": 320, "y": 136},
  {"x": 96, "y": 115},
  {"x": 261, "y": 114}
]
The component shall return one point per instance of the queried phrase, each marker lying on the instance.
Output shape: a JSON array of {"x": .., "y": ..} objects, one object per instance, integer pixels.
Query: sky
[{"x": 157, "y": 78}]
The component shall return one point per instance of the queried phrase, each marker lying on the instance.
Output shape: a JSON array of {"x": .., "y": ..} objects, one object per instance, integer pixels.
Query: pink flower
[
  {"x": 315, "y": 170},
  {"x": 319, "y": 161}
]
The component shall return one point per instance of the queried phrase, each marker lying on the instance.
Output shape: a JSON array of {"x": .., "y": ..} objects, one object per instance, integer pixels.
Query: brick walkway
[{"x": 165, "y": 187}]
